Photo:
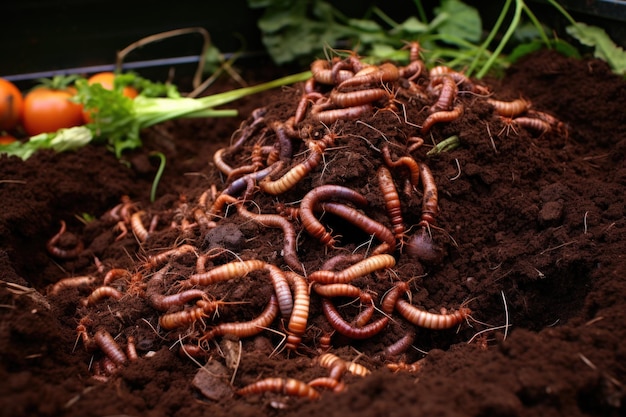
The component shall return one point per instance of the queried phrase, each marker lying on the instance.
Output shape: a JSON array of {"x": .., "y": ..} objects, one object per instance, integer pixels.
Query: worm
[
  {"x": 388, "y": 303},
  {"x": 158, "y": 259},
  {"x": 165, "y": 302},
  {"x": 54, "y": 250},
  {"x": 430, "y": 199},
  {"x": 131, "y": 350},
  {"x": 346, "y": 329},
  {"x": 281, "y": 287},
  {"x": 533, "y": 124},
  {"x": 115, "y": 274},
  {"x": 332, "y": 262},
  {"x": 336, "y": 290},
  {"x": 330, "y": 383},
  {"x": 300, "y": 314},
  {"x": 246, "y": 328},
  {"x": 359, "y": 269},
  {"x": 406, "y": 161},
  {"x": 310, "y": 201},
  {"x": 365, "y": 315},
  {"x": 358, "y": 97},
  {"x": 236, "y": 186},
  {"x": 392, "y": 202},
  {"x": 429, "y": 320},
  {"x": 330, "y": 360},
  {"x": 331, "y": 116},
  {"x": 100, "y": 293},
  {"x": 109, "y": 346},
  {"x": 363, "y": 222},
  {"x": 231, "y": 270},
  {"x": 182, "y": 318},
  {"x": 447, "y": 95},
  {"x": 71, "y": 282},
  {"x": 322, "y": 73},
  {"x": 136, "y": 224},
  {"x": 292, "y": 177},
  {"x": 403, "y": 366},
  {"x": 509, "y": 108},
  {"x": 400, "y": 346},
  {"x": 286, "y": 386},
  {"x": 442, "y": 116},
  {"x": 218, "y": 160},
  {"x": 386, "y": 72},
  {"x": 289, "y": 232},
  {"x": 414, "y": 50}
]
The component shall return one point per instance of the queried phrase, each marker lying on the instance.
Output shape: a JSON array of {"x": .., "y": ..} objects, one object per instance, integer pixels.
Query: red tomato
[
  {"x": 107, "y": 80},
  {"x": 48, "y": 110},
  {"x": 11, "y": 105}
]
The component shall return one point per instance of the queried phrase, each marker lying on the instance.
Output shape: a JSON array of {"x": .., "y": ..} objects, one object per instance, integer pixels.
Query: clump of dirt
[{"x": 531, "y": 224}]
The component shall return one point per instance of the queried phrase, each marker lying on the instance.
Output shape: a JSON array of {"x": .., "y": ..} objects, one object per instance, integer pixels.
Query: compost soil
[{"x": 532, "y": 225}]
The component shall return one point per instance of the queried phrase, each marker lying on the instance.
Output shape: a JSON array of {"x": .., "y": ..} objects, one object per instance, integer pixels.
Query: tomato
[
  {"x": 48, "y": 110},
  {"x": 6, "y": 139},
  {"x": 11, "y": 105},
  {"x": 107, "y": 80}
]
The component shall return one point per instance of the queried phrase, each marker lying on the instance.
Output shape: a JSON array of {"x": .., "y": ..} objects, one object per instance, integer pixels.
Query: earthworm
[
  {"x": 281, "y": 288},
  {"x": 386, "y": 72},
  {"x": 534, "y": 124},
  {"x": 322, "y": 73},
  {"x": 414, "y": 50},
  {"x": 330, "y": 383},
  {"x": 400, "y": 346},
  {"x": 324, "y": 341},
  {"x": 286, "y": 386},
  {"x": 509, "y": 108},
  {"x": 236, "y": 186},
  {"x": 182, "y": 318},
  {"x": 54, "y": 250},
  {"x": 88, "y": 342},
  {"x": 407, "y": 367},
  {"x": 447, "y": 95},
  {"x": 284, "y": 140},
  {"x": 136, "y": 224},
  {"x": 231, "y": 270},
  {"x": 109, "y": 346},
  {"x": 292, "y": 177},
  {"x": 300, "y": 314},
  {"x": 349, "y": 113},
  {"x": 195, "y": 351},
  {"x": 310, "y": 201},
  {"x": 131, "y": 351},
  {"x": 366, "y": 314},
  {"x": 71, "y": 282},
  {"x": 363, "y": 222},
  {"x": 336, "y": 290},
  {"x": 337, "y": 366},
  {"x": 406, "y": 161},
  {"x": 358, "y": 97},
  {"x": 258, "y": 115},
  {"x": 158, "y": 259},
  {"x": 115, "y": 274},
  {"x": 218, "y": 160},
  {"x": 359, "y": 269},
  {"x": 100, "y": 293},
  {"x": 392, "y": 202},
  {"x": 429, "y": 320},
  {"x": 289, "y": 232},
  {"x": 246, "y": 328},
  {"x": 346, "y": 329},
  {"x": 330, "y": 360},
  {"x": 430, "y": 199},
  {"x": 165, "y": 302},
  {"x": 442, "y": 116},
  {"x": 388, "y": 303}
]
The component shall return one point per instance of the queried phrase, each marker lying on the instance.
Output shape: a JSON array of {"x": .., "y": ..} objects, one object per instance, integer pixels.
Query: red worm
[
  {"x": 363, "y": 222},
  {"x": 346, "y": 329},
  {"x": 336, "y": 290},
  {"x": 360, "y": 269},
  {"x": 331, "y": 116},
  {"x": 58, "y": 252},
  {"x": 442, "y": 116},
  {"x": 386, "y": 72},
  {"x": 400, "y": 346},
  {"x": 430, "y": 200},
  {"x": 300, "y": 314},
  {"x": 329, "y": 360},
  {"x": 100, "y": 293},
  {"x": 136, "y": 224},
  {"x": 115, "y": 274},
  {"x": 447, "y": 95},
  {"x": 509, "y": 108},
  {"x": 311, "y": 200},
  {"x": 358, "y": 97},
  {"x": 322, "y": 73},
  {"x": 534, "y": 124},
  {"x": 218, "y": 160},
  {"x": 232, "y": 270},
  {"x": 330, "y": 383},
  {"x": 71, "y": 282},
  {"x": 182, "y": 318},
  {"x": 165, "y": 302},
  {"x": 247, "y": 328},
  {"x": 285, "y": 386},
  {"x": 275, "y": 220},
  {"x": 109, "y": 346},
  {"x": 406, "y": 161},
  {"x": 392, "y": 202},
  {"x": 292, "y": 177},
  {"x": 388, "y": 303},
  {"x": 131, "y": 350},
  {"x": 429, "y": 320},
  {"x": 158, "y": 259},
  {"x": 332, "y": 262}
]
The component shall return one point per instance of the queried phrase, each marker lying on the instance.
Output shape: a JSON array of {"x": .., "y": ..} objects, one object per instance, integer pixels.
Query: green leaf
[
  {"x": 411, "y": 26},
  {"x": 604, "y": 47},
  {"x": 462, "y": 21}
]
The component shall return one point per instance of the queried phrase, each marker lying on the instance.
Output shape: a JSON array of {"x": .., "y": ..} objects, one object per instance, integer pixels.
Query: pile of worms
[{"x": 333, "y": 281}]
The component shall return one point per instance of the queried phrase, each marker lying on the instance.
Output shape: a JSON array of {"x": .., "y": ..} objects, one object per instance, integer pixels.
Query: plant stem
[{"x": 158, "y": 175}]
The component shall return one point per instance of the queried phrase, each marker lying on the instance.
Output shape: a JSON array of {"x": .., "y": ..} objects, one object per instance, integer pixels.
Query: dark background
[{"x": 39, "y": 37}]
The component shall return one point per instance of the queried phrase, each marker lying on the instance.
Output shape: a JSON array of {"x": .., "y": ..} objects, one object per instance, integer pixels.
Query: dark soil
[{"x": 533, "y": 229}]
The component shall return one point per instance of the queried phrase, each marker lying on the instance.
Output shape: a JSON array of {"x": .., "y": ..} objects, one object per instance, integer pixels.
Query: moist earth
[{"x": 532, "y": 227}]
